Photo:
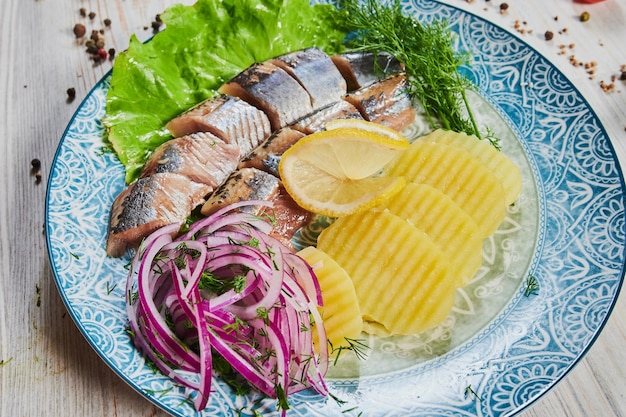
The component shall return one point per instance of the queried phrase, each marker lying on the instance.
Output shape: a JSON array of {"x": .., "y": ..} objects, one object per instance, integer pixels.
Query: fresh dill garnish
[
  {"x": 110, "y": 288},
  {"x": 230, "y": 376},
  {"x": 427, "y": 51},
  {"x": 357, "y": 346},
  {"x": 161, "y": 392},
  {"x": 281, "y": 397},
  {"x": 532, "y": 285},
  {"x": 219, "y": 285},
  {"x": 470, "y": 391}
]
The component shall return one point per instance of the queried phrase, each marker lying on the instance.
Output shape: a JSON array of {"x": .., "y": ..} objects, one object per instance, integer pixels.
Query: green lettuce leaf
[{"x": 202, "y": 47}]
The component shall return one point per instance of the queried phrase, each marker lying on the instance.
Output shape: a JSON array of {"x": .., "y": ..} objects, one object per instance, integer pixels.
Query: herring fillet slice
[
  {"x": 363, "y": 68},
  {"x": 316, "y": 72},
  {"x": 148, "y": 204},
  {"x": 231, "y": 119},
  {"x": 386, "y": 102},
  {"x": 272, "y": 90},
  {"x": 267, "y": 155},
  {"x": 202, "y": 157}
]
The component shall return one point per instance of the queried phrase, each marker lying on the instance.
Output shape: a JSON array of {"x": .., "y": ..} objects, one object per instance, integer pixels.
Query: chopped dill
[
  {"x": 110, "y": 288},
  {"x": 532, "y": 286},
  {"x": 470, "y": 391},
  {"x": 357, "y": 346}
]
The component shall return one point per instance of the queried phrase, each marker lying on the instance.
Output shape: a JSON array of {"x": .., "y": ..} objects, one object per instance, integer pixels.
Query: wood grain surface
[{"x": 46, "y": 366}]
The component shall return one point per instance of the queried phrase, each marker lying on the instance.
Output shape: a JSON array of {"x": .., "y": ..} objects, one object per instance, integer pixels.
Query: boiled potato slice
[
  {"x": 341, "y": 312},
  {"x": 445, "y": 222},
  {"x": 402, "y": 279},
  {"x": 458, "y": 174},
  {"x": 497, "y": 162}
]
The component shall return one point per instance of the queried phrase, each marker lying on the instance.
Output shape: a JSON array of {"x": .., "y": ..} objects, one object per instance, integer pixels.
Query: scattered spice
[
  {"x": 156, "y": 23},
  {"x": 107, "y": 22},
  {"x": 622, "y": 76},
  {"x": 35, "y": 165},
  {"x": 79, "y": 30},
  {"x": 584, "y": 16},
  {"x": 548, "y": 35},
  {"x": 83, "y": 12},
  {"x": 71, "y": 93},
  {"x": 111, "y": 53},
  {"x": 607, "y": 87},
  {"x": 35, "y": 168},
  {"x": 504, "y": 7},
  {"x": 92, "y": 15}
]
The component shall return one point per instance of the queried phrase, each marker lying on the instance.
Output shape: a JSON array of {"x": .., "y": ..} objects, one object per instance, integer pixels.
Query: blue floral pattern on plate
[{"x": 567, "y": 230}]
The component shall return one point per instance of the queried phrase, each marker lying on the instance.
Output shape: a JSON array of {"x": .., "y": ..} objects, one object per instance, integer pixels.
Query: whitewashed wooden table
[{"x": 46, "y": 366}]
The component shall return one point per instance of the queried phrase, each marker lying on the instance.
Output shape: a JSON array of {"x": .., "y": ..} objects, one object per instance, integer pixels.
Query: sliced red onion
[{"x": 263, "y": 328}]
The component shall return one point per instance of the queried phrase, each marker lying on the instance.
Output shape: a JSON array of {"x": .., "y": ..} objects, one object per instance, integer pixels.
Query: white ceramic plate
[{"x": 566, "y": 230}]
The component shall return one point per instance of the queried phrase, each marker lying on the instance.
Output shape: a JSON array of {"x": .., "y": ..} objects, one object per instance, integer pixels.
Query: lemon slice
[
  {"x": 336, "y": 172},
  {"x": 372, "y": 127}
]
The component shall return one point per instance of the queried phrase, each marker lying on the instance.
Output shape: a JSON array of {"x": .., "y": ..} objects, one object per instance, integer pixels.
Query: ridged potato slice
[
  {"x": 460, "y": 175},
  {"x": 497, "y": 162},
  {"x": 445, "y": 222},
  {"x": 341, "y": 312},
  {"x": 402, "y": 279}
]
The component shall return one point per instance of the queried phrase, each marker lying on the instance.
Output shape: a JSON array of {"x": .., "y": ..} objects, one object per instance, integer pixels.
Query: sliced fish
[
  {"x": 272, "y": 90},
  {"x": 202, "y": 157},
  {"x": 229, "y": 118},
  {"x": 148, "y": 204},
  {"x": 242, "y": 185},
  {"x": 316, "y": 121},
  {"x": 316, "y": 72},
  {"x": 254, "y": 184},
  {"x": 267, "y": 156},
  {"x": 363, "y": 68},
  {"x": 386, "y": 102}
]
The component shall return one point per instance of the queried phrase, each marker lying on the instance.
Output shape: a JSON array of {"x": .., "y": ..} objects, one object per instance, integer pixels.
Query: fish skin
[
  {"x": 243, "y": 184},
  {"x": 272, "y": 90},
  {"x": 202, "y": 157},
  {"x": 254, "y": 184},
  {"x": 315, "y": 122},
  {"x": 386, "y": 102},
  {"x": 267, "y": 155},
  {"x": 364, "y": 68},
  {"x": 148, "y": 204},
  {"x": 317, "y": 73},
  {"x": 229, "y": 118}
]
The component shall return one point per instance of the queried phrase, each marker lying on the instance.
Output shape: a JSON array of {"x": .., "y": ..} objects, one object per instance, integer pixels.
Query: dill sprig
[
  {"x": 532, "y": 286},
  {"x": 358, "y": 346},
  {"x": 470, "y": 391},
  {"x": 428, "y": 54}
]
